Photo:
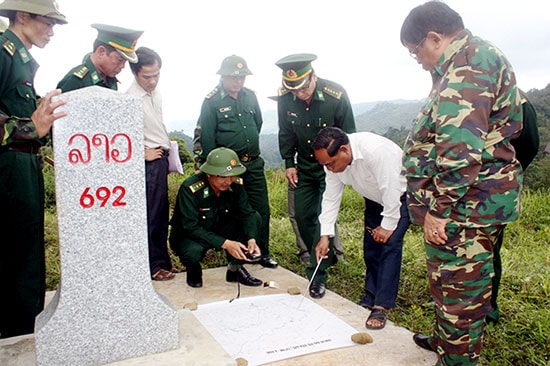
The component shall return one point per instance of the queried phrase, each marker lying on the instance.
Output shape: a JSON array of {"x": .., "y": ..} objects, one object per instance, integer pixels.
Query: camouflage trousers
[{"x": 459, "y": 275}]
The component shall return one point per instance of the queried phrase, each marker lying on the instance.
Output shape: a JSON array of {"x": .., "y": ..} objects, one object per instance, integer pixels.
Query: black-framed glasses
[{"x": 414, "y": 51}]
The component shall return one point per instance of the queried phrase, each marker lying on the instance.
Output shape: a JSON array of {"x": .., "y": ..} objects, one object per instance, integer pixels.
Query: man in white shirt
[
  {"x": 157, "y": 145},
  {"x": 371, "y": 164}
]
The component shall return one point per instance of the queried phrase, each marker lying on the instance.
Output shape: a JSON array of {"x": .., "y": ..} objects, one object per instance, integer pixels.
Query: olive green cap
[
  {"x": 296, "y": 69},
  {"x": 234, "y": 66},
  {"x": 223, "y": 162},
  {"x": 45, "y": 8},
  {"x": 122, "y": 39}
]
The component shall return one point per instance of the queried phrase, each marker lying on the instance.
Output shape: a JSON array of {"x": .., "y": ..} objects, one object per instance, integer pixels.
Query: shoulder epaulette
[
  {"x": 282, "y": 91},
  {"x": 333, "y": 92},
  {"x": 81, "y": 72},
  {"x": 9, "y": 46},
  {"x": 197, "y": 186},
  {"x": 212, "y": 93},
  {"x": 239, "y": 181}
]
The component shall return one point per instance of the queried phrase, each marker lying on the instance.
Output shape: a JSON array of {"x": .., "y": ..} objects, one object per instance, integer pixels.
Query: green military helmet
[
  {"x": 223, "y": 162},
  {"x": 45, "y": 8},
  {"x": 234, "y": 66}
]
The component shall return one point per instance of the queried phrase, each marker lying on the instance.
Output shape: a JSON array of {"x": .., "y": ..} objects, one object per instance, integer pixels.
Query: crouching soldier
[{"x": 212, "y": 212}]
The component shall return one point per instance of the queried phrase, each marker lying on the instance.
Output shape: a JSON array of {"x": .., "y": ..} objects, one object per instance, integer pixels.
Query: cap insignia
[
  {"x": 291, "y": 73},
  {"x": 233, "y": 162},
  {"x": 239, "y": 65}
]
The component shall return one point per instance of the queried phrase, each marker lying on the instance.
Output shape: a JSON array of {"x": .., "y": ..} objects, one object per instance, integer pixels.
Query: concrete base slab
[{"x": 392, "y": 346}]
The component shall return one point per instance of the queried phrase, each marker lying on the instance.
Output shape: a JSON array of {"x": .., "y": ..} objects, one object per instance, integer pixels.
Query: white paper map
[{"x": 265, "y": 329}]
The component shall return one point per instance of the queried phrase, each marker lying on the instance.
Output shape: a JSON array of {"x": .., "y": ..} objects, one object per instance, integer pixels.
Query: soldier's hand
[
  {"x": 45, "y": 115},
  {"x": 253, "y": 247},
  {"x": 322, "y": 248},
  {"x": 292, "y": 176},
  {"x": 236, "y": 249}
]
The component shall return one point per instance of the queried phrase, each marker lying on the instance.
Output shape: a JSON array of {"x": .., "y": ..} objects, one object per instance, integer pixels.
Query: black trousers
[{"x": 156, "y": 182}]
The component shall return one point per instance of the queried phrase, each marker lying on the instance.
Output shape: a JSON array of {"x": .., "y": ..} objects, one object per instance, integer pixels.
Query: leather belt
[
  {"x": 246, "y": 158},
  {"x": 25, "y": 148}
]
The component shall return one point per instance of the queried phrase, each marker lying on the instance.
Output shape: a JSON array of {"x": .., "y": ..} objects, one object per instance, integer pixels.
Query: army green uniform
[
  {"x": 299, "y": 124},
  {"x": 85, "y": 75},
  {"x": 122, "y": 40},
  {"x": 460, "y": 166},
  {"x": 22, "y": 263},
  {"x": 203, "y": 221},
  {"x": 236, "y": 124}
]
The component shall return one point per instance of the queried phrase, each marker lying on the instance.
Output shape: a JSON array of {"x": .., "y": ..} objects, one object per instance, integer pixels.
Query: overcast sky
[{"x": 357, "y": 43}]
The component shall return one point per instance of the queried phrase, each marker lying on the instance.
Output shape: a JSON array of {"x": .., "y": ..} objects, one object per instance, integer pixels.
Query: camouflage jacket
[
  {"x": 18, "y": 99},
  {"x": 458, "y": 159}
]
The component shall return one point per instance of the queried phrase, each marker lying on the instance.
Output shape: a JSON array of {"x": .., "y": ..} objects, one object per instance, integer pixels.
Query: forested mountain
[{"x": 393, "y": 119}]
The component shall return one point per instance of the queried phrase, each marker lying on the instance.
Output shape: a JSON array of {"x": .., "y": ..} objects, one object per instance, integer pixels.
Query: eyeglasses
[{"x": 413, "y": 52}]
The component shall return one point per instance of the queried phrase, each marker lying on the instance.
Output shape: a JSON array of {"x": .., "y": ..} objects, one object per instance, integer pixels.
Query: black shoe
[
  {"x": 268, "y": 262},
  {"x": 243, "y": 277},
  {"x": 194, "y": 275},
  {"x": 422, "y": 341},
  {"x": 317, "y": 290}
]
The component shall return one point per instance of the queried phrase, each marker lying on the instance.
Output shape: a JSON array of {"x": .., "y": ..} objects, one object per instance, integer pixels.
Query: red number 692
[{"x": 102, "y": 194}]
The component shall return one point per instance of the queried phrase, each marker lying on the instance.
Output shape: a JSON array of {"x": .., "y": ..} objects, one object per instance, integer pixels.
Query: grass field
[{"x": 521, "y": 338}]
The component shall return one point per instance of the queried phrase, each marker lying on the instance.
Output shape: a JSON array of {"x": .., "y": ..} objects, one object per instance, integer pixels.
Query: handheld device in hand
[{"x": 253, "y": 257}]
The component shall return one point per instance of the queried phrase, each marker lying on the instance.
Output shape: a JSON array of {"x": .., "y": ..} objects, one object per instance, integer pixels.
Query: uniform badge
[
  {"x": 197, "y": 186},
  {"x": 291, "y": 73},
  {"x": 225, "y": 109},
  {"x": 80, "y": 73},
  {"x": 239, "y": 65},
  {"x": 95, "y": 77},
  {"x": 333, "y": 92},
  {"x": 9, "y": 46},
  {"x": 24, "y": 55},
  {"x": 212, "y": 93}
]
